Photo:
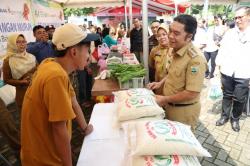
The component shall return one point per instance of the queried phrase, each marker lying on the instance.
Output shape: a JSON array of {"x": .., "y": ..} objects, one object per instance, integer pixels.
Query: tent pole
[
  {"x": 205, "y": 9},
  {"x": 130, "y": 15},
  {"x": 145, "y": 37},
  {"x": 126, "y": 15},
  {"x": 176, "y": 8}
]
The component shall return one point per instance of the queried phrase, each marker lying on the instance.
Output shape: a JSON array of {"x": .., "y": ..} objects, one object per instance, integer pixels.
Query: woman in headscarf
[
  {"x": 18, "y": 66},
  {"x": 159, "y": 59}
]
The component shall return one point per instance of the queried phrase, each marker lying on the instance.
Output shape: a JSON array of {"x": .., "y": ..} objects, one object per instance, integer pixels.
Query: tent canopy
[
  {"x": 90, "y": 3},
  {"x": 154, "y": 6},
  {"x": 120, "y": 10},
  {"x": 119, "y": 3},
  {"x": 215, "y": 2}
]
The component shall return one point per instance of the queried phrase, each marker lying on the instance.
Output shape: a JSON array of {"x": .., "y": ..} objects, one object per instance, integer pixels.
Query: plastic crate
[
  {"x": 132, "y": 83},
  {"x": 138, "y": 82}
]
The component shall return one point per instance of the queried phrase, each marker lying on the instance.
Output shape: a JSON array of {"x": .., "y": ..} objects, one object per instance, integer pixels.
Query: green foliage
[
  {"x": 221, "y": 9},
  {"x": 78, "y": 11},
  {"x": 226, "y": 10},
  {"x": 196, "y": 9}
]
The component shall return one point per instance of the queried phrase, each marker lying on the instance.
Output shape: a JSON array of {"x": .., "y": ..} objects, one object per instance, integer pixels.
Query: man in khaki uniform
[{"x": 185, "y": 74}]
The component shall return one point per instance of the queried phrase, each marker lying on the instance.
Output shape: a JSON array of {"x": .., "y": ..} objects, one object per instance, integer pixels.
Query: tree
[
  {"x": 196, "y": 9},
  {"x": 78, "y": 12},
  {"x": 226, "y": 10}
]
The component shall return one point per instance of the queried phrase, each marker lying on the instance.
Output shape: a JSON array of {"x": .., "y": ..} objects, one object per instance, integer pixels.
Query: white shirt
[
  {"x": 210, "y": 44},
  {"x": 200, "y": 37},
  {"x": 234, "y": 54}
]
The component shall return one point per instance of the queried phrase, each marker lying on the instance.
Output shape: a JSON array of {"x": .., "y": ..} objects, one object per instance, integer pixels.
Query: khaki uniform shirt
[
  {"x": 157, "y": 60},
  {"x": 185, "y": 72}
]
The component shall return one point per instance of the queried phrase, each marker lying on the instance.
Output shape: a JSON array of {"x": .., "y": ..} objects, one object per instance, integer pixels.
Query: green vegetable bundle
[{"x": 125, "y": 72}]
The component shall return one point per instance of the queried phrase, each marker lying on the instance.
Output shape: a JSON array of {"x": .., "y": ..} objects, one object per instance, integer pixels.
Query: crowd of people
[
  {"x": 53, "y": 76},
  {"x": 39, "y": 70},
  {"x": 224, "y": 44}
]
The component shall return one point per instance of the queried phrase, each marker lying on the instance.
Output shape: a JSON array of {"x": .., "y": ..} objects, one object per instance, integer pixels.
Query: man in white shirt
[
  {"x": 233, "y": 62},
  {"x": 214, "y": 36},
  {"x": 200, "y": 36}
]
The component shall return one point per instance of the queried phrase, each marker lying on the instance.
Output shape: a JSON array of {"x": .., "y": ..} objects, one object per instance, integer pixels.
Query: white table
[{"x": 105, "y": 146}]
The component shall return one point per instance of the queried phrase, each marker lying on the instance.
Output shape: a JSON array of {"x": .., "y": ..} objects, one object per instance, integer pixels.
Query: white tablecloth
[{"x": 105, "y": 146}]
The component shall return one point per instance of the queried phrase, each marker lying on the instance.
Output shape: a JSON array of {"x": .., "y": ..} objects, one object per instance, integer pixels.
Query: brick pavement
[{"x": 227, "y": 147}]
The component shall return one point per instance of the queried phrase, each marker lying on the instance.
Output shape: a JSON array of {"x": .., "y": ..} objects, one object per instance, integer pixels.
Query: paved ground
[{"x": 227, "y": 147}]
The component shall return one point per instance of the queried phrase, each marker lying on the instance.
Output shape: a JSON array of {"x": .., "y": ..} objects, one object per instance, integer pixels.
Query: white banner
[
  {"x": 47, "y": 13},
  {"x": 22, "y": 15},
  {"x": 15, "y": 17}
]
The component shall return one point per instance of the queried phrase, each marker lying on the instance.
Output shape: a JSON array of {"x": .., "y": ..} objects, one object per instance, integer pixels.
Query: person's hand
[
  {"x": 118, "y": 28},
  {"x": 154, "y": 85},
  {"x": 27, "y": 78},
  {"x": 160, "y": 100},
  {"x": 217, "y": 43},
  {"x": 25, "y": 81},
  {"x": 45, "y": 37},
  {"x": 88, "y": 129}
]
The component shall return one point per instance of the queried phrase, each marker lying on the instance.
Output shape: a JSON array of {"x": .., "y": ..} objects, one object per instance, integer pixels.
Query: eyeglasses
[
  {"x": 21, "y": 42},
  {"x": 238, "y": 17}
]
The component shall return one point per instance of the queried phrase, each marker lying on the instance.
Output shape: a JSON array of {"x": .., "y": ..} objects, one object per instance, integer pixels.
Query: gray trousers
[{"x": 235, "y": 95}]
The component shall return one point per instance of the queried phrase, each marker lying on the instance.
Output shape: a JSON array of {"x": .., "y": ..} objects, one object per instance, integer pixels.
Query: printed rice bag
[
  {"x": 164, "y": 137},
  {"x": 123, "y": 95},
  {"x": 153, "y": 160},
  {"x": 8, "y": 94},
  {"x": 119, "y": 124},
  {"x": 172, "y": 160},
  {"x": 138, "y": 107}
]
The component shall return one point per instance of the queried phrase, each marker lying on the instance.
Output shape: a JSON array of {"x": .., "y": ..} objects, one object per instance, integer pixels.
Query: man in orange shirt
[{"x": 50, "y": 103}]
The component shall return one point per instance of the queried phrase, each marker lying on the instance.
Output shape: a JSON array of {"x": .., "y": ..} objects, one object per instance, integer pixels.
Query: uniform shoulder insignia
[
  {"x": 158, "y": 53},
  {"x": 154, "y": 49},
  {"x": 192, "y": 52}
]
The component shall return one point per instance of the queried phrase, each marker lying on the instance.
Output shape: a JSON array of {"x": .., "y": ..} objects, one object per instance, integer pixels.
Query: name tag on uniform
[{"x": 158, "y": 53}]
